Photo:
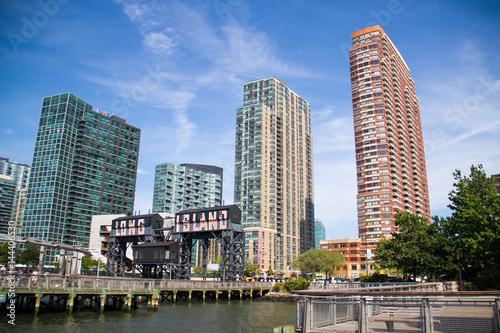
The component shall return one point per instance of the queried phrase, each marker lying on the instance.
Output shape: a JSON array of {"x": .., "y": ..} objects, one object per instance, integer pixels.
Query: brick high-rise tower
[{"x": 390, "y": 160}]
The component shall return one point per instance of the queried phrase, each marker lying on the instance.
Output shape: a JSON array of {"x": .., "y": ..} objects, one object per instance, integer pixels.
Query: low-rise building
[{"x": 357, "y": 258}]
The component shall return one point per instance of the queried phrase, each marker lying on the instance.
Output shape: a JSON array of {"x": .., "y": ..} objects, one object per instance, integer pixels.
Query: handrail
[{"x": 83, "y": 282}]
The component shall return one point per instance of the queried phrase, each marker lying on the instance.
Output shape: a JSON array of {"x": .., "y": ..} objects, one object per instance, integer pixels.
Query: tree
[
  {"x": 251, "y": 269},
  {"x": 198, "y": 270},
  {"x": 90, "y": 265},
  {"x": 417, "y": 248},
  {"x": 30, "y": 256},
  {"x": 316, "y": 260},
  {"x": 474, "y": 227},
  {"x": 4, "y": 255}
]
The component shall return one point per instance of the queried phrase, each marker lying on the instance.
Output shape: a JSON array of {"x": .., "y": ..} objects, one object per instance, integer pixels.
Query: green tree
[
  {"x": 296, "y": 284},
  {"x": 4, "y": 255},
  {"x": 316, "y": 260},
  {"x": 198, "y": 270},
  {"x": 417, "y": 249},
  {"x": 251, "y": 270},
  {"x": 30, "y": 256},
  {"x": 90, "y": 266},
  {"x": 474, "y": 227}
]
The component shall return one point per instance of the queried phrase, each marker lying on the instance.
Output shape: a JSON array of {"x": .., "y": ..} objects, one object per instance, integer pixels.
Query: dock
[{"x": 70, "y": 293}]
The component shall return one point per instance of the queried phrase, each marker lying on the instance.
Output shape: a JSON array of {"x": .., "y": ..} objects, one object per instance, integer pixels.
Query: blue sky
[{"x": 176, "y": 69}]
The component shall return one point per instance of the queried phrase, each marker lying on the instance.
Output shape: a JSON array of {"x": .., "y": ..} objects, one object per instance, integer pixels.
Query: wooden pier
[{"x": 72, "y": 293}]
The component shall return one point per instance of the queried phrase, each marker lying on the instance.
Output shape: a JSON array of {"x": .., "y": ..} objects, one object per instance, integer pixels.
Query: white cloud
[
  {"x": 185, "y": 131},
  {"x": 459, "y": 107},
  {"x": 160, "y": 42},
  {"x": 331, "y": 133},
  {"x": 7, "y": 131}
]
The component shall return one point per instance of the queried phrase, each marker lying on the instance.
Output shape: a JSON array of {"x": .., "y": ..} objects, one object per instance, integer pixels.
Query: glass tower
[
  {"x": 274, "y": 174},
  {"x": 84, "y": 164},
  {"x": 186, "y": 186},
  {"x": 319, "y": 233},
  {"x": 19, "y": 173},
  {"x": 7, "y": 196},
  {"x": 390, "y": 161}
]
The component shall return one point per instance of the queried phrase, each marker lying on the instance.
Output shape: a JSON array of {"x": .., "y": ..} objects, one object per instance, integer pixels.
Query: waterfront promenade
[
  {"x": 418, "y": 307},
  {"x": 69, "y": 293}
]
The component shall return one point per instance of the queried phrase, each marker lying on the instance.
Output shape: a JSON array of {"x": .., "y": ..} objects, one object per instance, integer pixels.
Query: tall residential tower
[
  {"x": 186, "y": 186},
  {"x": 18, "y": 173},
  {"x": 390, "y": 161},
  {"x": 274, "y": 173},
  {"x": 84, "y": 164}
]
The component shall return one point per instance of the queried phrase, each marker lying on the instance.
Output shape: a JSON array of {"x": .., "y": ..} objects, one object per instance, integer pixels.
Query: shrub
[
  {"x": 278, "y": 287},
  {"x": 296, "y": 284},
  {"x": 375, "y": 277}
]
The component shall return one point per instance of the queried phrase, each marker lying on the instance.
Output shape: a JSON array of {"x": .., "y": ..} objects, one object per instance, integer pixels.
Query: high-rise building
[
  {"x": 319, "y": 232},
  {"x": 186, "y": 186},
  {"x": 18, "y": 209},
  {"x": 274, "y": 174},
  {"x": 84, "y": 164},
  {"x": 189, "y": 186},
  {"x": 7, "y": 196},
  {"x": 390, "y": 161},
  {"x": 19, "y": 173}
]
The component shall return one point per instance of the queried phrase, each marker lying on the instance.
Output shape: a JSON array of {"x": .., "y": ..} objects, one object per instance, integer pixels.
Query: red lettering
[
  {"x": 195, "y": 224},
  {"x": 131, "y": 229},
  {"x": 185, "y": 222},
  {"x": 123, "y": 226},
  {"x": 212, "y": 220},
  {"x": 223, "y": 219},
  {"x": 203, "y": 222}
]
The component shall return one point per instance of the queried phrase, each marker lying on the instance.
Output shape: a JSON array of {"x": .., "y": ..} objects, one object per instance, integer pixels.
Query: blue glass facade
[{"x": 84, "y": 164}]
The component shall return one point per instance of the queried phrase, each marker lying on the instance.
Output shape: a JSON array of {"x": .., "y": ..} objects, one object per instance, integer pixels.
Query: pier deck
[{"x": 124, "y": 293}]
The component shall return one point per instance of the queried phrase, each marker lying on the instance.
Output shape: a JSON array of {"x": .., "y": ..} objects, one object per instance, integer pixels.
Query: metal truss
[
  {"x": 115, "y": 265},
  {"x": 233, "y": 255}
]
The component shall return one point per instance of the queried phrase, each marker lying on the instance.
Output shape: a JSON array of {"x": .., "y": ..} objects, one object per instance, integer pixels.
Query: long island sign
[{"x": 208, "y": 219}]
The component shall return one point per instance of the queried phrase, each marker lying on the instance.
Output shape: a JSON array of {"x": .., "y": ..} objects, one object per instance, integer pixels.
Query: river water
[{"x": 229, "y": 316}]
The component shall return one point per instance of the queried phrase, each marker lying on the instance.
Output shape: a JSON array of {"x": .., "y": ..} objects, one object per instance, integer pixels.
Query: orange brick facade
[
  {"x": 355, "y": 256},
  {"x": 390, "y": 160}
]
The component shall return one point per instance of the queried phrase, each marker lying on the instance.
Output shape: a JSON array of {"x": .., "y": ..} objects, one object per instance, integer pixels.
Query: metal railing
[
  {"x": 398, "y": 313},
  {"x": 385, "y": 286},
  {"x": 80, "y": 282}
]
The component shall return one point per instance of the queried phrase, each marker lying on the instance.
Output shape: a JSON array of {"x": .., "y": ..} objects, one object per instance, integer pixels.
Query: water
[{"x": 231, "y": 316}]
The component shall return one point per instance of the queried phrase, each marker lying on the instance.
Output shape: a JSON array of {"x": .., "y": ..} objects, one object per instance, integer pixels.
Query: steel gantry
[
  {"x": 160, "y": 255},
  {"x": 221, "y": 223}
]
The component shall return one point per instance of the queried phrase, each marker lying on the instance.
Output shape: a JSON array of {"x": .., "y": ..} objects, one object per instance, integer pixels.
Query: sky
[{"x": 176, "y": 69}]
